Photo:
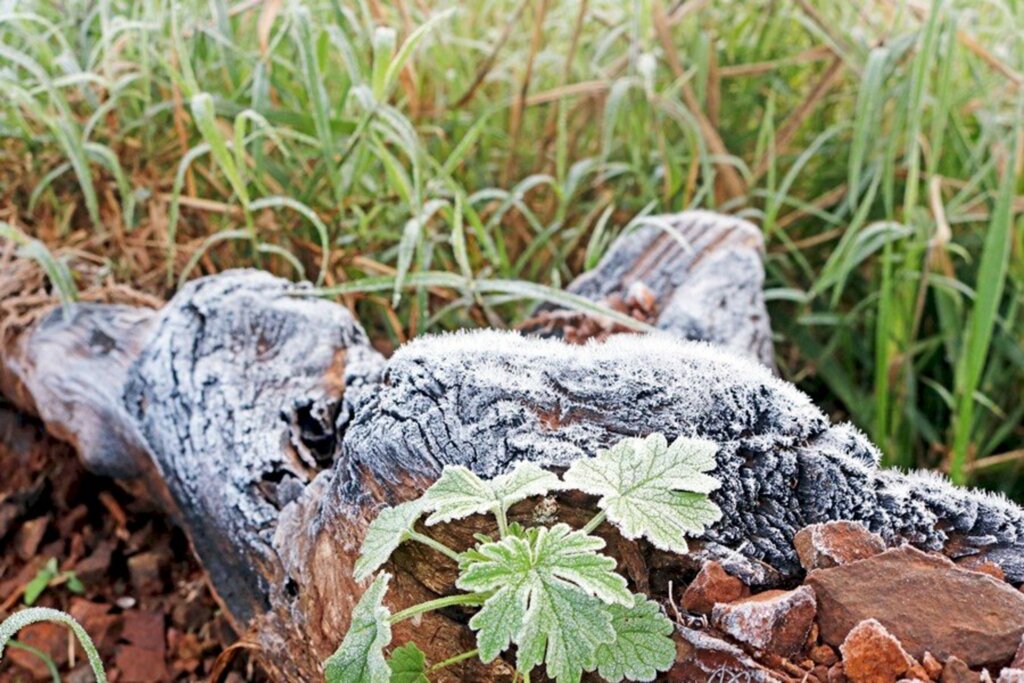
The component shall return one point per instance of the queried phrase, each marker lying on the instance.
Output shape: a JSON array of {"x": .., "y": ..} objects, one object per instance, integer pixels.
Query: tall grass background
[{"x": 441, "y": 164}]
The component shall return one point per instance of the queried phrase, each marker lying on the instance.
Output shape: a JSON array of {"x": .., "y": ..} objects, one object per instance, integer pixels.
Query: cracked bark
[{"x": 273, "y": 432}]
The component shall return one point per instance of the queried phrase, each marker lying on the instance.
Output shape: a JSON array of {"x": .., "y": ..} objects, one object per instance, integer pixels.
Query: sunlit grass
[{"x": 444, "y": 167}]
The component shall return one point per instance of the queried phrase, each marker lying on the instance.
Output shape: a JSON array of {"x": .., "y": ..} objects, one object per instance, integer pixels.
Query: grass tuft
[{"x": 444, "y": 166}]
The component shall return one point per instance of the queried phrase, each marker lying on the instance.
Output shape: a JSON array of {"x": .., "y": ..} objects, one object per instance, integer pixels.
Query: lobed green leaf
[
  {"x": 459, "y": 493},
  {"x": 360, "y": 657},
  {"x": 652, "y": 489},
  {"x": 408, "y": 664},
  {"x": 386, "y": 532},
  {"x": 643, "y": 643}
]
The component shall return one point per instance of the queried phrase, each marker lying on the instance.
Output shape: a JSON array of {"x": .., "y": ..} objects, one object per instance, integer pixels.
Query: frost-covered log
[
  {"x": 488, "y": 399},
  {"x": 278, "y": 433},
  {"x": 242, "y": 393},
  {"x": 695, "y": 275}
]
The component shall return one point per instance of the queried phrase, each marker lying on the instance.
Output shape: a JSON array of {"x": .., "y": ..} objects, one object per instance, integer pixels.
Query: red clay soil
[{"x": 143, "y": 598}]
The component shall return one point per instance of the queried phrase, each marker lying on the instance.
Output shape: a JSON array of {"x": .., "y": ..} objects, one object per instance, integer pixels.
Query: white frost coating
[
  {"x": 226, "y": 380},
  {"x": 492, "y": 348},
  {"x": 756, "y": 620},
  {"x": 487, "y": 399}
]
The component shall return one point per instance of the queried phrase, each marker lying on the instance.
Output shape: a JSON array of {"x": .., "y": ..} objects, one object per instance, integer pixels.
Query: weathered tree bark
[
  {"x": 276, "y": 432},
  {"x": 695, "y": 275}
]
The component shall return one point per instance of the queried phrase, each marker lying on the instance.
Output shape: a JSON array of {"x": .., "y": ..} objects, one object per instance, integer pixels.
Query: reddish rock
[
  {"x": 872, "y": 655},
  {"x": 711, "y": 586},
  {"x": 1018, "y": 660},
  {"x": 836, "y": 674},
  {"x": 702, "y": 657},
  {"x": 777, "y": 621},
  {"x": 932, "y": 666},
  {"x": 977, "y": 563},
  {"x": 957, "y": 671},
  {"x": 823, "y": 654},
  {"x": 917, "y": 672},
  {"x": 926, "y": 602},
  {"x": 831, "y": 544}
]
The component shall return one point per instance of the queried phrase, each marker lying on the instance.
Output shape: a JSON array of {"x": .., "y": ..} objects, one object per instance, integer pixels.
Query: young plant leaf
[
  {"x": 651, "y": 489},
  {"x": 643, "y": 644},
  {"x": 386, "y": 532},
  {"x": 563, "y": 629},
  {"x": 546, "y": 554},
  {"x": 460, "y": 493},
  {"x": 408, "y": 664},
  {"x": 552, "y": 589},
  {"x": 40, "y": 582},
  {"x": 360, "y": 657}
]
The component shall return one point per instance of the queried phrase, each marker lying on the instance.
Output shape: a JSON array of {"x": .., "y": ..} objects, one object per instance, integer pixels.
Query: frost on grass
[{"x": 486, "y": 400}]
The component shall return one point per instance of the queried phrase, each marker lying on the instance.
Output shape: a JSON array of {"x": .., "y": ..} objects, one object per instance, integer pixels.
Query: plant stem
[
  {"x": 19, "y": 620},
  {"x": 595, "y": 522},
  {"x": 499, "y": 514},
  {"x": 42, "y": 656},
  {"x": 455, "y": 660},
  {"x": 439, "y": 603},
  {"x": 436, "y": 545}
]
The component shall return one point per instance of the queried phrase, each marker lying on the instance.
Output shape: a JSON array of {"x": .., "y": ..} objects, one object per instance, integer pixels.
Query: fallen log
[{"x": 276, "y": 432}]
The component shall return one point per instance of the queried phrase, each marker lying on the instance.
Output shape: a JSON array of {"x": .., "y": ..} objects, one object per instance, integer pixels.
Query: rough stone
[
  {"x": 834, "y": 543},
  {"x": 872, "y": 655},
  {"x": 932, "y": 666},
  {"x": 1010, "y": 675},
  {"x": 1018, "y": 659},
  {"x": 701, "y": 656},
  {"x": 957, "y": 671},
  {"x": 758, "y": 575},
  {"x": 711, "y": 586},
  {"x": 927, "y": 602},
  {"x": 977, "y": 563},
  {"x": 776, "y": 620},
  {"x": 823, "y": 654}
]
